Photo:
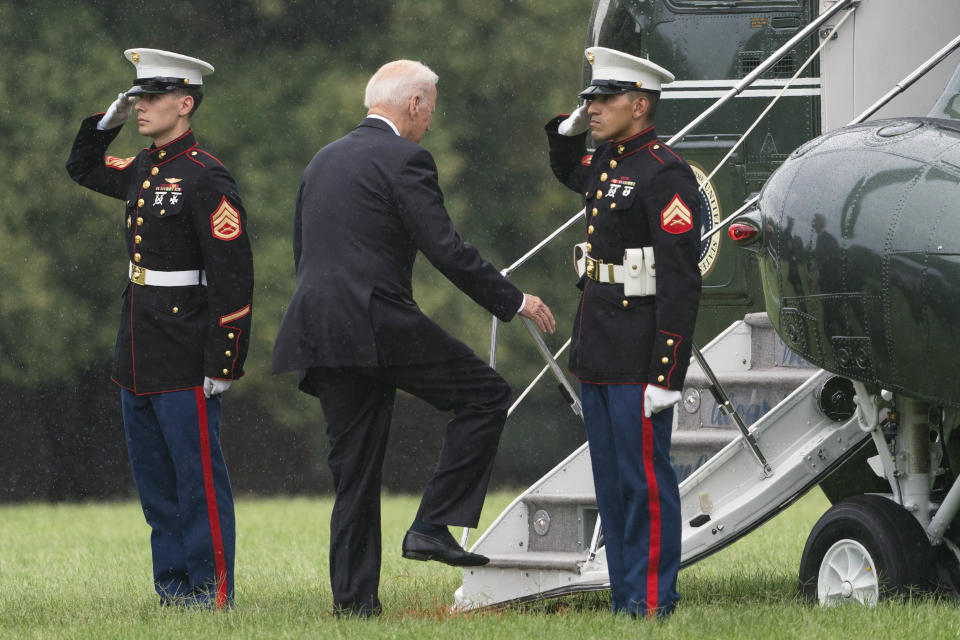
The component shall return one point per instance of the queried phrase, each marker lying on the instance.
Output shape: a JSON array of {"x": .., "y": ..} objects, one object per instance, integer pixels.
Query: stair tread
[
  {"x": 773, "y": 374},
  {"x": 564, "y": 498},
  {"x": 537, "y": 560}
]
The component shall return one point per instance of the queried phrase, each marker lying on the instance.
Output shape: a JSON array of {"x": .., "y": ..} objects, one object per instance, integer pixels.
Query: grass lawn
[{"x": 84, "y": 571}]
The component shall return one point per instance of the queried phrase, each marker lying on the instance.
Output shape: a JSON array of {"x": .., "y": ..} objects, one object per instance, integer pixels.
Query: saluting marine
[
  {"x": 185, "y": 320},
  {"x": 633, "y": 331}
]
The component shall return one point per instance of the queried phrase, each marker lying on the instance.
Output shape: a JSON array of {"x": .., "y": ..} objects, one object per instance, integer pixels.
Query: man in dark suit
[
  {"x": 633, "y": 332},
  {"x": 367, "y": 204}
]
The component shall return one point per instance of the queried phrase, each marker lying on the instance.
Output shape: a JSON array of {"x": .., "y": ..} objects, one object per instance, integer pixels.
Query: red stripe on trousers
[
  {"x": 212, "y": 513},
  {"x": 653, "y": 496}
]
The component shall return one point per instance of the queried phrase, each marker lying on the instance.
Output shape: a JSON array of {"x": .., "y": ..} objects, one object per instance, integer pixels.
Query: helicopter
[{"x": 828, "y": 305}]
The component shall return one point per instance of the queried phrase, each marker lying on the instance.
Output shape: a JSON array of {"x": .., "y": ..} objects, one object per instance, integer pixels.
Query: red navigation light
[{"x": 743, "y": 232}]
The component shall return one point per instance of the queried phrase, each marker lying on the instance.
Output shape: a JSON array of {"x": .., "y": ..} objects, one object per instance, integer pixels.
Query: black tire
[{"x": 897, "y": 545}]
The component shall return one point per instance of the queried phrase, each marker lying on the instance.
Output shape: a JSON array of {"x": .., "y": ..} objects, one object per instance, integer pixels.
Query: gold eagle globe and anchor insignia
[{"x": 710, "y": 216}]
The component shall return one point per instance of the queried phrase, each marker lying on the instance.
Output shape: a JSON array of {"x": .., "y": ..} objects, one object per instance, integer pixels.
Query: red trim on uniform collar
[
  {"x": 173, "y": 148},
  {"x": 634, "y": 143},
  {"x": 633, "y": 137},
  {"x": 185, "y": 134}
]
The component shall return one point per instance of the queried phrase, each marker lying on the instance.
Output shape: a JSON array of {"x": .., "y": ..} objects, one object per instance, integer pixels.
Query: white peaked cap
[
  {"x": 168, "y": 70},
  {"x": 613, "y": 71}
]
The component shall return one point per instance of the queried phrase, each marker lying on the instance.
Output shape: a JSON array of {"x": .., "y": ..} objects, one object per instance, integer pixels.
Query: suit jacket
[
  {"x": 637, "y": 193},
  {"x": 182, "y": 212},
  {"x": 366, "y": 204}
]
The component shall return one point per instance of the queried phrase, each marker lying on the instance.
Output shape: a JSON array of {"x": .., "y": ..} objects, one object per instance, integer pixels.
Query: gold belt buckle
[
  {"x": 138, "y": 276},
  {"x": 591, "y": 267}
]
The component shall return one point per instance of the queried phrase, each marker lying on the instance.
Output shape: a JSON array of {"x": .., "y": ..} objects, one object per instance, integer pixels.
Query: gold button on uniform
[
  {"x": 129, "y": 222},
  {"x": 594, "y": 212},
  {"x": 621, "y": 149},
  {"x": 176, "y": 309},
  {"x": 613, "y": 164},
  {"x": 625, "y": 303},
  {"x": 659, "y": 378},
  {"x": 613, "y": 205},
  {"x": 230, "y": 335},
  {"x": 154, "y": 171},
  {"x": 227, "y": 353},
  {"x": 599, "y": 193},
  {"x": 665, "y": 360},
  {"x": 655, "y": 147},
  {"x": 137, "y": 239},
  {"x": 162, "y": 155},
  {"x": 140, "y": 202},
  {"x": 590, "y": 229},
  {"x": 226, "y": 371},
  {"x": 589, "y": 247},
  {"x": 670, "y": 342},
  {"x": 146, "y": 184},
  {"x": 136, "y": 257},
  {"x": 162, "y": 211},
  {"x": 603, "y": 177},
  {"x": 139, "y": 219},
  {"x": 586, "y": 193}
]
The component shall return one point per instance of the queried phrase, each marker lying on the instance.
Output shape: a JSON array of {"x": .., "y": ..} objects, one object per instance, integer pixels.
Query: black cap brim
[
  {"x": 611, "y": 87},
  {"x": 594, "y": 90},
  {"x": 156, "y": 85}
]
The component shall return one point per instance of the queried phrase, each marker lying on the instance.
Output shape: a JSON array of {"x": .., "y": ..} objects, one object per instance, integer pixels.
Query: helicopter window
[{"x": 733, "y": 5}]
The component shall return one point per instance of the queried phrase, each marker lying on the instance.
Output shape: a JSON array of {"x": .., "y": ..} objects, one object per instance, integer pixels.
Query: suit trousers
[
  {"x": 637, "y": 496},
  {"x": 358, "y": 406},
  {"x": 173, "y": 440}
]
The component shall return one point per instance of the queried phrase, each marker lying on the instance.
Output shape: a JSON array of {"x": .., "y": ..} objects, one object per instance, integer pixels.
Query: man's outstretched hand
[{"x": 534, "y": 309}]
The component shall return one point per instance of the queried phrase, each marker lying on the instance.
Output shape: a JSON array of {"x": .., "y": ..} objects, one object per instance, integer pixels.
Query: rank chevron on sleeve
[
  {"x": 676, "y": 216},
  {"x": 225, "y": 221}
]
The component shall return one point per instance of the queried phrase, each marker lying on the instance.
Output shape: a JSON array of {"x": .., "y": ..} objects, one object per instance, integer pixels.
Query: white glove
[
  {"x": 213, "y": 386},
  {"x": 117, "y": 113},
  {"x": 576, "y": 123},
  {"x": 656, "y": 399}
]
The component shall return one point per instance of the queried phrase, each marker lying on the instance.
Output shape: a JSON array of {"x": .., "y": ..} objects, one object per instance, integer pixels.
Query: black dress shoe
[{"x": 419, "y": 546}]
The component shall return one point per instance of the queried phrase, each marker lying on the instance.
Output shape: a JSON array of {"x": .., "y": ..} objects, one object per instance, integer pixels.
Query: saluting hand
[
  {"x": 534, "y": 309},
  {"x": 117, "y": 113},
  {"x": 576, "y": 123}
]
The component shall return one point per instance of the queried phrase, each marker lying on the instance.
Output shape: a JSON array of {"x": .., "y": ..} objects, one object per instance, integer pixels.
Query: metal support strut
[
  {"x": 727, "y": 408},
  {"x": 569, "y": 393}
]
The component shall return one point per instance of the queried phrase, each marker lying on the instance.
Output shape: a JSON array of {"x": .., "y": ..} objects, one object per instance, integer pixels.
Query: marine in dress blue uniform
[
  {"x": 185, "y": 320},
  {"x": 630, "y": 352}
]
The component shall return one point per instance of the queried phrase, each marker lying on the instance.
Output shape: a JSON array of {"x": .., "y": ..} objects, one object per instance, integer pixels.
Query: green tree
[{"x": 290, "y": 78}]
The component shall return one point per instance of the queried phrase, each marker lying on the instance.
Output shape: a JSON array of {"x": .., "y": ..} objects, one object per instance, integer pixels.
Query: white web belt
[
  {"x": 142, "y": 276},
  {"x": 637, "y": 274}
]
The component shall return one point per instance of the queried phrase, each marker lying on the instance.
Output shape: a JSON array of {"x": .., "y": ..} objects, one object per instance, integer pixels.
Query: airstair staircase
[{"x": 548, "y": 541}]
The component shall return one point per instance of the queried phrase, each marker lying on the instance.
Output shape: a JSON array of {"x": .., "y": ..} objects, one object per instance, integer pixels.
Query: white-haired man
[{"x": 367, "y": 203}]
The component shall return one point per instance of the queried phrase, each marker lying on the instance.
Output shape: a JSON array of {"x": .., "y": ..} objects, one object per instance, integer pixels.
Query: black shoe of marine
[{"x": 418, "y": 546}]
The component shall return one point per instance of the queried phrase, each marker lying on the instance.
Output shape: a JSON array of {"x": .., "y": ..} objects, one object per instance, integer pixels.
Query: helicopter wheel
[{"x": 864, "y": 549}]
